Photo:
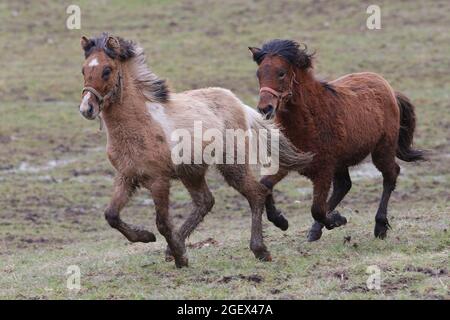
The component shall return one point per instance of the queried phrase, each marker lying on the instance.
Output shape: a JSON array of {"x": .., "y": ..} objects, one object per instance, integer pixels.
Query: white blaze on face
[
  {"x": 158, "y": 114},
  {"x": 93, "y": 62},
  {"x": 84, "y": 103}
]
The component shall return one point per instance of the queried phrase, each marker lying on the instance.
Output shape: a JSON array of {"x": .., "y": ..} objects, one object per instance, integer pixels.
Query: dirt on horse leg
[
  {"x": 341, "y": 186},
  {"x": 202, "y": 200},
  {"x": 273, "y": 214},
  {"x": 160, "y": 192},
  {"x": 123, "y": 190}
]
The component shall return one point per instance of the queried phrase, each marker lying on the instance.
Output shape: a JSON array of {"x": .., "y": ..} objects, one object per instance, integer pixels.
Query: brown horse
[
  {"x": 141, "y": 116},
  {"x": 341, "y": 122}
]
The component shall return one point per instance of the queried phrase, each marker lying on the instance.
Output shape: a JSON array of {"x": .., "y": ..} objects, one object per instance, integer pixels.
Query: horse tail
[
  {"x": 289, "y": 157},
  {"x": 406, "y": 132}
]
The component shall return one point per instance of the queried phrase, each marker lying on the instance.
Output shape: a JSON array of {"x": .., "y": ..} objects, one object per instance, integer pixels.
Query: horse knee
[
  {"x": 204, "y": 204},
  {"x": 112, "y": 216},
  {"x": 163, "y": 226},
  {"x": 267, "y": 182}
]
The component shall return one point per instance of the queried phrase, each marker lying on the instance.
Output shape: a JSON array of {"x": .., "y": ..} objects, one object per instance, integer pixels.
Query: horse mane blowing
[{"x": 296, "y": 54}]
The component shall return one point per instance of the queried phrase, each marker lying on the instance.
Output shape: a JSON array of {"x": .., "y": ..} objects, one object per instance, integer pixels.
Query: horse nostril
[
  {"x": 90, "y": 111},
  {"x": 268, "y": 109}
]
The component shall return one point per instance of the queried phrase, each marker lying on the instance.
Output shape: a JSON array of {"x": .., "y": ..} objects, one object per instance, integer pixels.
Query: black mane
[
  {"x": 99, "y": 43},
  {"x": 287, "y": 49}
]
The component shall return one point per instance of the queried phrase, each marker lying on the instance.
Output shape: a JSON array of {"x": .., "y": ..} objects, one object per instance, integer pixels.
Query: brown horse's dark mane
[{"x": 296, "y": 54}]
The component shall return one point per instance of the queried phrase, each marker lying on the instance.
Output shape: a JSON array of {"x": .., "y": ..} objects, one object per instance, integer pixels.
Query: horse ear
[
  {"x": 84, "y": 43},
  {"x": 113, "y": 44},
  {"x": 254, "y": 51}
]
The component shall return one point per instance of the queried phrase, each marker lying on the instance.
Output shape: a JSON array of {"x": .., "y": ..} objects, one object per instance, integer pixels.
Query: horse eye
[
  {"x": 281, "y": 74},
  {"x": 106, "y": 72}
]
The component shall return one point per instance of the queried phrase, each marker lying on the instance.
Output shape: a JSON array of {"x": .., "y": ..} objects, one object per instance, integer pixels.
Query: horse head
[
  {"x": 277, "y": 63},
  {"x": 102, "y": 73}
]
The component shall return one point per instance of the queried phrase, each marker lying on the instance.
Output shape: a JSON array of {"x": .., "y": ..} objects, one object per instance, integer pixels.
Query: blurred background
[{"x": 55, "y": 179}]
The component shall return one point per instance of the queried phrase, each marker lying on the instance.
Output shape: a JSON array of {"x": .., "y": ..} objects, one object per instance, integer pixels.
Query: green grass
[{"x": 55, "y": 180}]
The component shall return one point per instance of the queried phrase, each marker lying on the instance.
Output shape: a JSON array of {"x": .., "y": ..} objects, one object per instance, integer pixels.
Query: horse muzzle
[
  {"x": 88, "y": 108},
  {"x": 267, "y": 111}
]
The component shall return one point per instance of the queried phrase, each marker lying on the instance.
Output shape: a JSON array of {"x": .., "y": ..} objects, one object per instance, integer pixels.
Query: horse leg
[
  {"x": 202, "y": 201},
  {"x": 319, "y": 207},
  {"x": 273, "y": 214},
  {"x": 123, "y": 190},
  {"x": 341, "y": 186},
  {"x": 241, "y": 179},
  {"x": 390, "y": 170},
  {"x": 160, "y": 193}
]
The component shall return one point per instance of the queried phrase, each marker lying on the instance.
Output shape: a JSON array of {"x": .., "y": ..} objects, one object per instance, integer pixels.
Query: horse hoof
[
  {"x": 181, "y": 262},
  {"x": 315, "y": 232},
  {"x": 146, "y": 236},
  {"x": 314, "y": 235},
  {"x": 168, "y": 255},
  {"x": 335, "y": 220},
  {"x": 265, "y": 257},
  {"x": 280, "y": 222},
  {"x": 381, "y": 229}
]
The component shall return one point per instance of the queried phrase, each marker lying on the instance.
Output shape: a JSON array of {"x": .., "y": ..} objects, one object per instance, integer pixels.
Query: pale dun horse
[{"x": 140, "y": 113}]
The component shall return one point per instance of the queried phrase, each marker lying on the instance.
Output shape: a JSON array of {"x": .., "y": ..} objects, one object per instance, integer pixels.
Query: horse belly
[{"x": 361, "y": 137}]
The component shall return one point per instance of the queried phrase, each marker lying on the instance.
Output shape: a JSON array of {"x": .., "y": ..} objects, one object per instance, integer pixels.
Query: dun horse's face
[
  {"x": 275, "y": 80},
  {"x": 101, "y": 75}
]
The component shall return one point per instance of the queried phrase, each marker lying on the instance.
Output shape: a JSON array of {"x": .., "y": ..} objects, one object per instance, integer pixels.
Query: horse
[
  {"x": 341, "y": 122},
  {"x": 141, "y": 114}
]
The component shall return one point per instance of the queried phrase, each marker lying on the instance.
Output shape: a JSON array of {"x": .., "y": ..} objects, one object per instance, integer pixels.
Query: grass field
[{"x": 55, "y": 180}]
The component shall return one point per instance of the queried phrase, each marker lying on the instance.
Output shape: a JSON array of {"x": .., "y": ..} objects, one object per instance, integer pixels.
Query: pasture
[{"x": 55, "y": 179}]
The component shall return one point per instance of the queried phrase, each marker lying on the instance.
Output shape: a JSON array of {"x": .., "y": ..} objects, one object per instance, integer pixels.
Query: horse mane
[
  {"x": 294, "y": 53},
  {"x": 152, "y": 87},
  {"x": 290, "y": 50}
]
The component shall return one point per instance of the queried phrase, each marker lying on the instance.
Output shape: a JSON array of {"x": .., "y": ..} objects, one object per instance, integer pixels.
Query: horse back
[
  {"x": 368, "y": 111},
  {"x": 222, "y": 105}
]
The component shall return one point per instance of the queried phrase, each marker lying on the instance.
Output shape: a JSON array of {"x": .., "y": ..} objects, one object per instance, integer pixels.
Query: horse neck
[
  {"x": 309, "y": 92},
  {"x": 307, "y": 100},
  {"x": 126, "y": 115},
  {"x": 306, "y": 95}
]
